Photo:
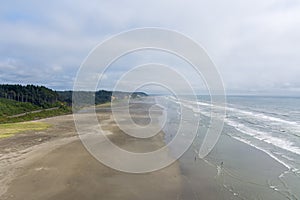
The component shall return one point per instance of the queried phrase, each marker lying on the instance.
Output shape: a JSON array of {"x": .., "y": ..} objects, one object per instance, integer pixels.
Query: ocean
[{"x": 258, "y": 153}]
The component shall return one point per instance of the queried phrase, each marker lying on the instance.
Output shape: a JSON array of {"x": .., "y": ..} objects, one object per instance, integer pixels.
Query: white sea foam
[
  {"x": 282, "y": 143},
  {"x": 263, "y": 136},
  {"x": 266, "y": 137},
  {"x": 284, "y": 156},
  {"x": 255, "y": 115}
]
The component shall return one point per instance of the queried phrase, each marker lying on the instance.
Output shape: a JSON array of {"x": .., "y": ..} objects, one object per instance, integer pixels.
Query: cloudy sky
[{"x": 255, "y": 44}]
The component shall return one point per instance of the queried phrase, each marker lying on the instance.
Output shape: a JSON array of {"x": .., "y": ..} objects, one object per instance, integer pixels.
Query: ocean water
[{"x": 270, "y": 125}]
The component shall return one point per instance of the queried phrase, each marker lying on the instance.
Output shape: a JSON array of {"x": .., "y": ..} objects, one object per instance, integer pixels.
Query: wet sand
[{"x": 54, "y": 164}]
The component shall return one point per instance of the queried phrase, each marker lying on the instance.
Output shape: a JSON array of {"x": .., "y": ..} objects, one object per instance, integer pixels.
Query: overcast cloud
[{"x": 255, "y": 44}]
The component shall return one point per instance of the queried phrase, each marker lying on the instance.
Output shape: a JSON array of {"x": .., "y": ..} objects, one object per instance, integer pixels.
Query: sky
[{"x": 254, "y": 44}]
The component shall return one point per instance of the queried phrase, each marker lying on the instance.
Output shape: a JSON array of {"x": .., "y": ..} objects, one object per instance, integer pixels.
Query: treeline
[
  {"x": 37, "y": 95},
  {"x": 98, "y": 97},
  {"x": 23, "y": 103},
  {"x": 46, "y": 98}
]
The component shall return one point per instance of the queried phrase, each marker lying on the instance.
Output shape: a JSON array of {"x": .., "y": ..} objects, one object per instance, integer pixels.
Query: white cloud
[{"x": 255, "y": 44}]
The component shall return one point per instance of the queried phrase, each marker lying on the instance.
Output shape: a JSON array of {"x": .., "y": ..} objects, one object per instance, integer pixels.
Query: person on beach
[{"x": 219, "y": 169}]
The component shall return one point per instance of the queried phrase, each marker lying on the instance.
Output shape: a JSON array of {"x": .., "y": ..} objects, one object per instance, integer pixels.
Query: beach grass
[
  {"x": 10, "y": 129},
  {"x": 34, "y": 116}
]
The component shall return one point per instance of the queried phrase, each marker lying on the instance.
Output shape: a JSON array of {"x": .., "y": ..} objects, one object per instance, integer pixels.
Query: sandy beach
[{"x": 54, "y": 164}]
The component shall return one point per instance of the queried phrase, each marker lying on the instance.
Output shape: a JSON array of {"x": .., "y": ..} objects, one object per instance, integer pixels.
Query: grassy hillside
[
  {"x": 20, "y": 103},
  {"x": 9, "y": 110},
  {"x": 11, "y": 107}
]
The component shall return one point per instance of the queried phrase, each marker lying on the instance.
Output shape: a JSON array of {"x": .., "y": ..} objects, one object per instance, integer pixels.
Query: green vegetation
[
  {"x": 39, "y": 115},
  {"x": 8, "y": 130},
  {"x": 100, "y": 96},
  {"x": 37, "y": 95},
  {"x": 23, "y": 103},
  {"x": 11, "y": 107}
]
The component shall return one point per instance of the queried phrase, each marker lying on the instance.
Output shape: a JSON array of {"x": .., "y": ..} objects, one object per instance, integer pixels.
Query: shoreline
[{"x": 60, "y": 167}]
